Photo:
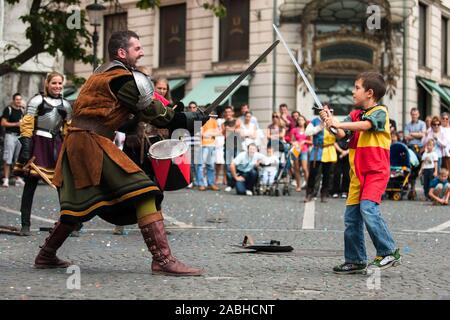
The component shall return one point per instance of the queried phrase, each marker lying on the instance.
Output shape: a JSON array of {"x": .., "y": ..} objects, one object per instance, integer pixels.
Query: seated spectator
[
  {"x": 243, "y": 174},
  {"x": 269, "y": 169},
  {"x": 440, "y": 188},
  {"x": 244, "y": 109}
]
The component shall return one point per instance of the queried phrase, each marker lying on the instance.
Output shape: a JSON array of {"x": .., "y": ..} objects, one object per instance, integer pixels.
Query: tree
[{"x": 47, "y": 30}]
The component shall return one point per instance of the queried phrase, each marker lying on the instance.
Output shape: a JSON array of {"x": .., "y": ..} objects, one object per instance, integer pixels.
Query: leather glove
[
  {"x": 25, "y": 150},
  {"x": 178, "y": 106}
]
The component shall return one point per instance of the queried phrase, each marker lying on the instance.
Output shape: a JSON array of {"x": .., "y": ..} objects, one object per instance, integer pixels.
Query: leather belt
[{"x": 95, "y": 125}]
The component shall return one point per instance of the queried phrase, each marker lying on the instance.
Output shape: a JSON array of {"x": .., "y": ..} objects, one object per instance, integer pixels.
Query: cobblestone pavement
[{"x": 118, "y": 267}]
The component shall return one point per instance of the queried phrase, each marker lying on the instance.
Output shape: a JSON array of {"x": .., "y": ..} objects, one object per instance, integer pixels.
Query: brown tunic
[{"x": 84, "y": 148}]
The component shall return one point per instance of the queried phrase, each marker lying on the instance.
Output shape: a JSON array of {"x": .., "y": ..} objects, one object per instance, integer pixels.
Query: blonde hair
[{"x": 49, "y": 78}]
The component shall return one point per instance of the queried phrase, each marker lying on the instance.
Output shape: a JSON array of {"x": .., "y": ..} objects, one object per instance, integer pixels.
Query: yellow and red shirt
[{"x": 369, "y": 156}]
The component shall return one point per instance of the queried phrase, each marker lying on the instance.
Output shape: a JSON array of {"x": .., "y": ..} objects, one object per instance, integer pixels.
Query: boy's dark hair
[
  {"x": 15, "y": 95},
  {"x": 374, "y": 81},
  {"x": 119, "y": 39},
  {"x": 228, "y": 107}
]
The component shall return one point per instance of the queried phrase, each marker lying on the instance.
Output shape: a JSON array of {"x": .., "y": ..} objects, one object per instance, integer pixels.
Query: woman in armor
[{"x": 41, "y": 133}]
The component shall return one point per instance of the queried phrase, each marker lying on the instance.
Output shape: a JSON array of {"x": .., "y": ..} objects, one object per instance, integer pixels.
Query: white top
[
  {"x": 244, "y": 163},
  {"x": 446, "y": 151},
  {"x": 428, "y": 159}
]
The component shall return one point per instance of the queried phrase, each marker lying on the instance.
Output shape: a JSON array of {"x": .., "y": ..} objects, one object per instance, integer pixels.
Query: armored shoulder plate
[
  {"x": 33, "y": 104},
  {"x": 142, "y": 81},
  {"x": 110, "y": 65},
  {"x": 145, "y": 88},
  {"x": 67, "y": 108}
]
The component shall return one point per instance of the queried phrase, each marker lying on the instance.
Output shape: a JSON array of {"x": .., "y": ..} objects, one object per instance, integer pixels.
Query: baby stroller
[
  {"x": 401, "y": 169},
  {"x": 282, "y": 182}
]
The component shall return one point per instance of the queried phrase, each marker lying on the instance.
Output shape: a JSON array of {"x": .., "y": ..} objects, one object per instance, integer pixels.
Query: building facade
[{"x": 406, "y": 40}]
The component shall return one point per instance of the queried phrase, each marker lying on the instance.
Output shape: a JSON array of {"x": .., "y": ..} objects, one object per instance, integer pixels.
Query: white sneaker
[
  {"x": 303, "y": 184},
  {"x": 19, "y": 182},
  {"x": 5, "y": 183},
  {"x": 228, "y": 189},
  {"x": 249, "y": 193},
  {"x": 335, "y": 195},
  {"x": 344, "y": 196},
  {"x": 190, "y": 185}
]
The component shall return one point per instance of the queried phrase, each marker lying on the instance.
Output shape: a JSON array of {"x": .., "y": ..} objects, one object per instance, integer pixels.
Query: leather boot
[
  {"x": 163, "y": 262},
  {"x": 46, "y": 258}
]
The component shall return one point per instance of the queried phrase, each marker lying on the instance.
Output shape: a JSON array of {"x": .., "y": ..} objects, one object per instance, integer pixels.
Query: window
[
  {"x": 234, "y": 30},
  {"x": 422, "y": 35},
  {"x": 112, "y": 23},
  {"x": 346, "y": 51},
  {"x": 423, "y": 101},
  {"x": 336, "y": 90},
  {"x": 444, "y": 44},
  {"x": 172, "y": 43}
]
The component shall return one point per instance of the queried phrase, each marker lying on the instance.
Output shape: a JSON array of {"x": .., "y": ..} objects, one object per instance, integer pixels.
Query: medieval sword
[
  {"x": 305, "y": 79},
  {"x": 239, "y": 79}
]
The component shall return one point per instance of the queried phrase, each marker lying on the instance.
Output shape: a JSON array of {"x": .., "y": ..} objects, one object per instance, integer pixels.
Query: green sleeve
[{"x": 378, "y": 120}]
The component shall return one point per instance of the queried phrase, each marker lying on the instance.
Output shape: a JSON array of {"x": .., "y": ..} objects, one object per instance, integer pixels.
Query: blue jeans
[
  {"x": 366, "y": 212},
  {"x": 242, "y": 186},
  {"x": 208, "y": 159}
]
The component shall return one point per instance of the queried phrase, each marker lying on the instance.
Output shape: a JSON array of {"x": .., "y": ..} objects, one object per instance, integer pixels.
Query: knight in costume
[
  {"x": 41, "y": 132},
  {"x": 94, "y": 177}
]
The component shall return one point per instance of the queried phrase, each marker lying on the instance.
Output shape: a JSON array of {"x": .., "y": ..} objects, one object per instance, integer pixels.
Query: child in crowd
[
  {"x": 440, "y": 188},
  {"x": 429, "y": 168}
]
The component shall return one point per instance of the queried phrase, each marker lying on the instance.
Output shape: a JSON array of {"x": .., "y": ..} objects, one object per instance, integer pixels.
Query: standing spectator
[
  {"x": 436, "y": 134},
  {"x": 428, "y": 120},
  {"x": 162, "y": 88},
  {"x": 220, "y": 152},
  {"x": 341, "y": 177},
  {"x": 289, "y": 122},
  {"x": 41, "y": 132},
  {"x": 440, "y": 188},
  {"x": 322, "y": 157},
  {"x": 413, "y": 135},
  {"x": 276, "y": 133},
  {"x": 429, "y": 167},
  {"x": 392, "y": 125},
  {"x": 209, "y": 131},
  {"x": 415, "y": 131},
  {"x": 248, "y": 131},
  {"x": 194, "y": 142},
  {"x": 243, "y": 174},
  {"x": 259, "y": 133},
  {"x": 301, "y": 143},
  {"x": 244, "y": 109},
  {"x": 230, "y": 129},
  {"x": 10, "y": 119},
  {"x": 445, "y": 127}
]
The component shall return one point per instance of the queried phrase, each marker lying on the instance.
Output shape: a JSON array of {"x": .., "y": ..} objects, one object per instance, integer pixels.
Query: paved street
[{"x": 118, "y": 267}]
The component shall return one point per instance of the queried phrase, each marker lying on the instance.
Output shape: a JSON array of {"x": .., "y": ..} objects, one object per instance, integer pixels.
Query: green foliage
[
  {"x": 218, "y": 10},
  {"x": 48, "y": 32},
  {"x": 148, "y": 4}
]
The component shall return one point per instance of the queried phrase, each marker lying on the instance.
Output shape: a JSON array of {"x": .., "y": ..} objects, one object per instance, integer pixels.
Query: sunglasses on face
[
  {"x": 445, "y": 119},
  {"x": 436, "y": 124},
  {"x": 275, "y": 116}
]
